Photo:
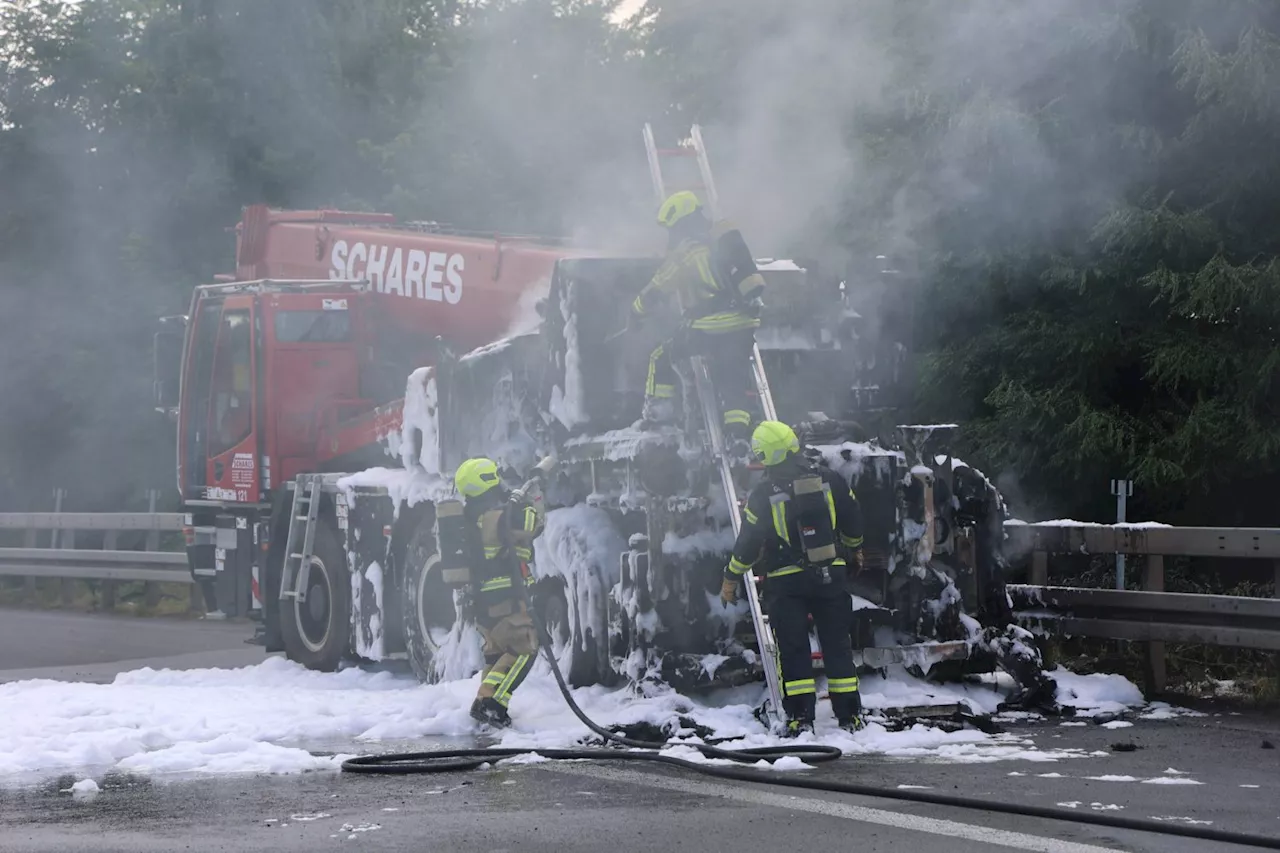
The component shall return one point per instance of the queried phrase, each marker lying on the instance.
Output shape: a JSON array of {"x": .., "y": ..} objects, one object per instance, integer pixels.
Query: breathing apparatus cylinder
[
  {"x": 815, "y": 519},
  {"x": 451, "y": 538}
]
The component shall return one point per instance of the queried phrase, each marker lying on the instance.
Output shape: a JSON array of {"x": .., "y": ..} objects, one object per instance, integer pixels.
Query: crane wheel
[{"x": 316, "y": 630}]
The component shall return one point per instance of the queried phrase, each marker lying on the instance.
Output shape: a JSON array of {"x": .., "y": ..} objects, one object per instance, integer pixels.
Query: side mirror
[{"x": 166, "y": 366}]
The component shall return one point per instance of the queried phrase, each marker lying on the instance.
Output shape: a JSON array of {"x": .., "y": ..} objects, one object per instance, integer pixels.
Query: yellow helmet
[
  {"x": 773, "y": 442},
  {"x": 677, "y": 207},
  {"x": 476, "y": 476}
]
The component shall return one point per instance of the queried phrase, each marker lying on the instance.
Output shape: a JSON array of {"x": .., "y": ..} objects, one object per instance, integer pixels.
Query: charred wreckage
[
  {"x": 365, "y": 567},
  {"x": 638, "y": 525}
]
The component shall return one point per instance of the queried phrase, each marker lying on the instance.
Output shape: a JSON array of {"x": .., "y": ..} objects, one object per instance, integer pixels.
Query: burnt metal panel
[{"x": 369, "y": 515}]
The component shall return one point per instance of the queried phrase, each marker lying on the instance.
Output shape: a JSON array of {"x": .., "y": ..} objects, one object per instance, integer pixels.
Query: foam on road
[{"x": 270, "y": 717}]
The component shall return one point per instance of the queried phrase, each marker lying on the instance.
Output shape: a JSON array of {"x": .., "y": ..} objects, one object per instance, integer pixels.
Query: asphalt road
[
  {"x": 580, "y": 806},
  {"x": 590, "y": 807},
  {"x": 94, "y": 647}
]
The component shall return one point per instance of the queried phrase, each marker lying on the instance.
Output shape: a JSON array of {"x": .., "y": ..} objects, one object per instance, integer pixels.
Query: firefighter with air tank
[
  {"x": 717, "y": 287},
  {"x": 497, "y": 527},
  {"x": 801, "y": 529}
]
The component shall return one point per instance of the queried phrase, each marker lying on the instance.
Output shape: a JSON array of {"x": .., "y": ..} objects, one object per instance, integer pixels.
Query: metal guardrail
[
  {"x": 1218, "y": 620},
  {"x": 1150, "y": 615},
  {"x": 1056, "y": 538},
  {"x": 91, "y": 521},
  {"x": 108, "y": 564},
  {"x": 156, "y": 566}
]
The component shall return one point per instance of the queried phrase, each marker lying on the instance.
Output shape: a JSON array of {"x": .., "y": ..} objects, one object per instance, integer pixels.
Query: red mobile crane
[{"x": 297, "y": 362}]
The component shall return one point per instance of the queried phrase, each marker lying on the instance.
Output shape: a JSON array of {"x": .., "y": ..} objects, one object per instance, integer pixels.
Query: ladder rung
[
  {"x": 677, "y": 152},
  {"x": 295, "y": 556},
  {"x": 302, "y": 518}
]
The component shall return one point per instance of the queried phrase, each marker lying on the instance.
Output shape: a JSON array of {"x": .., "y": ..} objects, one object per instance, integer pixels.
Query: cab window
[
  {"x": 296, "y": 327},
  {"x": 231, "y": 395}
]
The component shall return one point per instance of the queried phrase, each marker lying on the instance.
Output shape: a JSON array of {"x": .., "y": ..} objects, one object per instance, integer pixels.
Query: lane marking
[{"x": 898, "y": 820}]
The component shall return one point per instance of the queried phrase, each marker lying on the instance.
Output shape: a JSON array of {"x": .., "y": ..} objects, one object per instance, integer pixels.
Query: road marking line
[{"x": 897, "y": 820}]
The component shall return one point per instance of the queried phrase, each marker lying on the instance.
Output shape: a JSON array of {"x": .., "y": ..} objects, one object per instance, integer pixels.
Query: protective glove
[
  {"x": 728, "y": 591},
  {"x": 859, "y": 561}
]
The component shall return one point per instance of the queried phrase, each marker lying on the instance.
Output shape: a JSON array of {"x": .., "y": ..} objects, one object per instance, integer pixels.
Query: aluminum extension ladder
[
  {"x": 302, "y": 536},
  {"x": 706, "y": 191}
]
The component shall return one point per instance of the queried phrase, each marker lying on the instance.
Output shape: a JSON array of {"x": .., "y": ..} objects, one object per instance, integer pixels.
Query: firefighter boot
[
  {"x": 490, "y": 712},
  {"x": 799, "y": 710},
  {"x": 848, "y": 711},
  {"x": 658, "y": 411},
  {"x": 797, "y": 727},
  {"x": 737, "y": 444}
]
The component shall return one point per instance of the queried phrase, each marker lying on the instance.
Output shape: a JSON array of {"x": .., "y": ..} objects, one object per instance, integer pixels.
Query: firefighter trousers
[
  {"x": 789, "y": 601},
  {"x": 728, "y": 360},
  {"x": 510, "y": 644}
]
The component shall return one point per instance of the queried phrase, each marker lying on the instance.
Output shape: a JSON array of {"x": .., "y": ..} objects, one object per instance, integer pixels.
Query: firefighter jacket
[
  {"x": 714, "y": 281},
  {"x": 503, "y": 527},
  {"x": 775, "y": 529}
]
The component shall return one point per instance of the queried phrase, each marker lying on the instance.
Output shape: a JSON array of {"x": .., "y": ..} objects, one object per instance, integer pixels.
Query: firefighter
[
  {"x": 801, "y": 528},
  {"x": 501, "y": 525},
  {"x": 717, "y": 288}
]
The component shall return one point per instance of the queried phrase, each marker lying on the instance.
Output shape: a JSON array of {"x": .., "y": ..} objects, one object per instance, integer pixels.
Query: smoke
[
  {"x": 804, "y": 106},
  {"x": 836, "y": 130}
]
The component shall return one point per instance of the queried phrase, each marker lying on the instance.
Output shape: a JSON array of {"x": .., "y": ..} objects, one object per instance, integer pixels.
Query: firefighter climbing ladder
[
  {"x": 705, "y": 188},
  {"x": 706, "y": 395}
]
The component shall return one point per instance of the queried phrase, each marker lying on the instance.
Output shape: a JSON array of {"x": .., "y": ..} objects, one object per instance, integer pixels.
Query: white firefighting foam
[
  {"x": 220, "y": 721},
  {"x": 420, "y": 418},
  {"x": 567, "y": 403},
  {"x": 581, "y": 546}
]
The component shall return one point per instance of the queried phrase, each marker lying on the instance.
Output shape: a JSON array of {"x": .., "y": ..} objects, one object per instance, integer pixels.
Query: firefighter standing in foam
[
  {"x": 501, "y": 528},
  {"x": 801, "y": 527},
  {"x": 717, "y": 287}
]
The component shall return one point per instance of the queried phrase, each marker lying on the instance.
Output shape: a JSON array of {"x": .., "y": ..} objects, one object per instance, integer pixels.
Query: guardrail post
[
  {"x": 1153, "y": 581},
  {"x": 30, "y": 591},
  {"x": 64, "y": 539},
  {"x": 108, "y": 599},
  {"x": 1040, "y": 568},
  {"x": 151, "y": 590}
]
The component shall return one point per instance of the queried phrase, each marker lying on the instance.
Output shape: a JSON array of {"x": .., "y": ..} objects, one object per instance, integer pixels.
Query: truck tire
[
  {"x": 430, "y": 616},
  {"x": 429, "y": 612},
  {"x": 317, "y": 631}
]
